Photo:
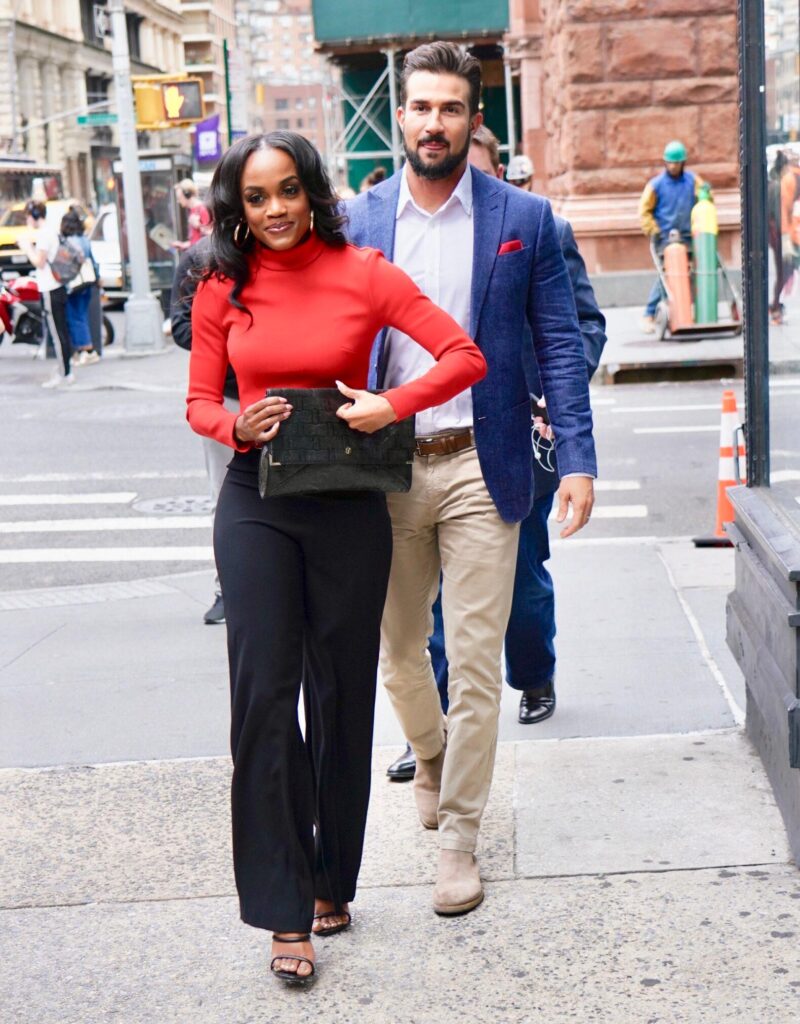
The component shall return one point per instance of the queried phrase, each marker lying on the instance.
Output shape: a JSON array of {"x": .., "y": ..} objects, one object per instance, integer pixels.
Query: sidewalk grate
[{"x": 88, "y": 594}]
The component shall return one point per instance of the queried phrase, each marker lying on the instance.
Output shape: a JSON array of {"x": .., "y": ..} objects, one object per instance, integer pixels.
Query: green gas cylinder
[{"x": 704, "y": 234}]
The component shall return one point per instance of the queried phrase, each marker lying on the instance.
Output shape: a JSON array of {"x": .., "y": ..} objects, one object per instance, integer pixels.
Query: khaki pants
[{"x": 449, "y": 521}]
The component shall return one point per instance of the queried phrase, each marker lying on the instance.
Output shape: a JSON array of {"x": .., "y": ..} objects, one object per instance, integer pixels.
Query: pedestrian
[
  {"x": 530, "y": 654},
  {"x": 490, "y": 256},
  {"x": 79, "y": 291},
  {"x": 216, "y": 455},
  {"x": 666, "y": 205},
  {"x": 520, "y": 172},
  {"x": 42, "y": 248},
  {"x": 375, "y": 176},
  {"x": 287, "y": 302},
  {"x": 198, "y": 217}
]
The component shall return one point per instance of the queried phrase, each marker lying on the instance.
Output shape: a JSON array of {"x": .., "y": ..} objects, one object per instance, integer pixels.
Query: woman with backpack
[
  {"x": 79, "y": 290},
  {"x": 42, "y": 249}
]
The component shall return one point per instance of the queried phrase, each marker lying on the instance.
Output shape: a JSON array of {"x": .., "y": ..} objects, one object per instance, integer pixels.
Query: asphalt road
[{"x": 105, "y": 481}]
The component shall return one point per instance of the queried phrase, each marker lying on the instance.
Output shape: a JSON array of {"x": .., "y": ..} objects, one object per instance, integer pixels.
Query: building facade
[
  {"x": 604, "y": 85},
  {"x": 289, "y": 83},
  {"x": 60, "y": 69},
  {"x": 206, "y": 26}
]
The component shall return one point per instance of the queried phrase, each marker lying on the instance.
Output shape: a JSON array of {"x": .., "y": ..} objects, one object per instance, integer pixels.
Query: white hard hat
[{"x": 519, "y": 168}]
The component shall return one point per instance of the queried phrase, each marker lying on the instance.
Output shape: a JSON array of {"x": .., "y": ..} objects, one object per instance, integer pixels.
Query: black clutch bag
[{"x": 315, "y": 452}]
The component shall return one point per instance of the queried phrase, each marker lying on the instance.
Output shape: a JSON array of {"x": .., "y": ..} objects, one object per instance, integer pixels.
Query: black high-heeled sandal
[
  {"x": 292, "y": 977},
  {"x": 334, "y": 929}
]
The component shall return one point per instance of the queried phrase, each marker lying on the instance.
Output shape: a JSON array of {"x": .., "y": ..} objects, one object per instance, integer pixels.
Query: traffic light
[{"x": 167, "y": 101}]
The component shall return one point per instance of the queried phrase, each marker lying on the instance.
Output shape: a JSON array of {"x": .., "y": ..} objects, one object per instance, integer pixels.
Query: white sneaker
[
  {"x": 59, "y": 381},
  {"x": 87, "y": 358},
  {"x": 648, "y": 324}
]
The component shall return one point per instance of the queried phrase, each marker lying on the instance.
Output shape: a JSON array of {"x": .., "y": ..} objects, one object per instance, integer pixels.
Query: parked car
[
  {"x": 104, "y": 240},
  {"x": 14, "y": 224}
]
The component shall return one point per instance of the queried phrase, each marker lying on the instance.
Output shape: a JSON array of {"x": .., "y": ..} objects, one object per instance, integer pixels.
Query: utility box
[{"x": 165, "y": 220}]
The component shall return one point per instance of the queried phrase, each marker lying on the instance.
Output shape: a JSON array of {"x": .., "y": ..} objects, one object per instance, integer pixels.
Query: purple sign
[{"x": 207, "y": 145}]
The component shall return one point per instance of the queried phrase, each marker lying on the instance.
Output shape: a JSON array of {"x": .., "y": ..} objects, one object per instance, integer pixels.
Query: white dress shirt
[{"x": 435, "y": 250}]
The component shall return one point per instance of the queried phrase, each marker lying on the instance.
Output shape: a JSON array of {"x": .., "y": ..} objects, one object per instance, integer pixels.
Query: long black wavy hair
[{"x": 229, "y": 258}]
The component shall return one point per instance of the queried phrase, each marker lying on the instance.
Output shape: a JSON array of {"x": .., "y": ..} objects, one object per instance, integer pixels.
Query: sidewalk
[{"x": 636, "y": 867}]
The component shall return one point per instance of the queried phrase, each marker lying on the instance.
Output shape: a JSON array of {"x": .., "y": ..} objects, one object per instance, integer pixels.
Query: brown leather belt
[{"x": 447, "y": 443}]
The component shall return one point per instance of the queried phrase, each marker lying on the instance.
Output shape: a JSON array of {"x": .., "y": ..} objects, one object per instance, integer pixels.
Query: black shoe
[
  {"x": 216, "y": 613},
  {"x": 537, "y": 705},
  {"x": 404, "y": 768}
]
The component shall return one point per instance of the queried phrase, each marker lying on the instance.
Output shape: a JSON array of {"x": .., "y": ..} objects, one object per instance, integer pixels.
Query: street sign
[{"x": 96, "y": 119}]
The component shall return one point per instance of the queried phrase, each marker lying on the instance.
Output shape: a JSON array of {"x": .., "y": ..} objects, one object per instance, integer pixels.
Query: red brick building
[{"x": 604, "y": 85}]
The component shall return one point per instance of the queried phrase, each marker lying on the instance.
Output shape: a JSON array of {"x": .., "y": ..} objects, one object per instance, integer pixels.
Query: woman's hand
[
  {"x": 365, "y": 411},
  {"x": 261, "y": 421}
]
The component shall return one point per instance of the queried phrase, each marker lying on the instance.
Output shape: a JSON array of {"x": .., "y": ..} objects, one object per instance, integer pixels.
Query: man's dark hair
[
  {"x": 442, "y": 58},
  {"x": 224, "y": 200},
  {"x": 35, "y": 209},
  {"x": 71, "y": 223}
]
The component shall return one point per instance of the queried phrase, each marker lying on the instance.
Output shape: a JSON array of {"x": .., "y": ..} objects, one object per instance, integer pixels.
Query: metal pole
[
  {"x": 753, "y": 181},
  {"x": 393, "y": 105},
  {"x": 12, "y": 77},
  {"x": 227, "y": 90},
  {"x": 511, "y": 123},
  {"x": 143, "y": 316}
]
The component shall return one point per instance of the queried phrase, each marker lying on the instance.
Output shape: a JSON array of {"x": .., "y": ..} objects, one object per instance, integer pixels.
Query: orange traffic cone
[{"x": 729, "y": 469}]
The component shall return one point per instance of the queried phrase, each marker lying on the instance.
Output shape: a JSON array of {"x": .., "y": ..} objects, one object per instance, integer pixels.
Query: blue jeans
[
  {"x": 656, "y": 295},
  {"x": 531, "y": 632},
  {"x": 78, "y": 319}
]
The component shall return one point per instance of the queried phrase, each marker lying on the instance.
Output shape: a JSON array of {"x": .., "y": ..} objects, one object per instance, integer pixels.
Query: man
[
  {"x": 198, "y": 217},
  {"x": 489, "y": 255},
  {"x": 217, "y": 456},
  {"x": 666, "y": 205},
  {"x": 41, "y": 248},
  {"x": 530, "y": 636},
  {"x": 520, "y": 172}
]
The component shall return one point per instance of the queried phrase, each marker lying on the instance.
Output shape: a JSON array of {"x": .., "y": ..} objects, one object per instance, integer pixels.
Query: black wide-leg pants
[{"x": 304, "y": 581}]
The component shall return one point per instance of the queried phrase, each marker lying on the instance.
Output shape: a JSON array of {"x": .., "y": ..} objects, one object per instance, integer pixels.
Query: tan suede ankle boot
[
  {"x": 458, "y": 884},
  {"x": 427, "y": 784}
]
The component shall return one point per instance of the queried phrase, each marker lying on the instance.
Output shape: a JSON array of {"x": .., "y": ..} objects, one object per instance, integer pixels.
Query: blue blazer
[
  {"x": 593, "y": 331},
  {"x": 517, "y": 298}
]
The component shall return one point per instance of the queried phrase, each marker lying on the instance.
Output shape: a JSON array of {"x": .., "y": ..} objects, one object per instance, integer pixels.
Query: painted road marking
[
  {"x": 109, "y": 498},
  {"x": 61, "y": 478},
  {"x": 782, "y": 476},
  {"x": 617, "y": 485},
  {"x": 165, "y": 554},
  {"x": 614, "y": 512},
  {"x": 678, "y": 429},
  {"x": 667, "y": 408},
  {"x": 102, "y": 525}
]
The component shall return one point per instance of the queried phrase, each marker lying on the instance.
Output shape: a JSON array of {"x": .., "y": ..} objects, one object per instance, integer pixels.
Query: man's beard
[{"x": 442, "y": 169}]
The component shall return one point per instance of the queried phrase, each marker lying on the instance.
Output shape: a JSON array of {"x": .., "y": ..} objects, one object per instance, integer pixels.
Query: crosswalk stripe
[
  {"x": 29, "y": 556},
  {"x": 97, "y": 475},
  {"x": 104, "y": 525},
  {"x": 782, "y": 476},
  {"x": 708, "y": 428},
  {"x": 614, "y": 512},
  {"x": 665, "y": 408},
  {"x": 110, "y": 498},
  {"x": 617, "y": 485}
]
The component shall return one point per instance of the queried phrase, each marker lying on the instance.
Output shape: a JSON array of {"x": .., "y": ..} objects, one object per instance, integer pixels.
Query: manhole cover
[{"x": 178, "y": 505}]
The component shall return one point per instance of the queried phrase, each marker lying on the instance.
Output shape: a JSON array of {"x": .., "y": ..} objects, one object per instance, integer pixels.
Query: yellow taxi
[{"x": 14, "y": 224}]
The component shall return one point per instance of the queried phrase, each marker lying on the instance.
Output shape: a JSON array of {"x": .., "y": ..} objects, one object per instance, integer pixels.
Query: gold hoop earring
[
  {"x": 311, "y": 221},
  {"x": 237, "y": 241}
]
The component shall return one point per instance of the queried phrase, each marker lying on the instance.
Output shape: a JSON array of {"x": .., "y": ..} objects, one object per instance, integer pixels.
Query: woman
[
  {"x": 79, "y": 298},
  {"x": 290, "y": 304}
]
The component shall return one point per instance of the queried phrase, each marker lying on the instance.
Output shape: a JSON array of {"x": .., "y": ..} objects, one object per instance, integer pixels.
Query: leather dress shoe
[
  {"x": 403, "y": 769},
  {"x": 537, "y": 705}
]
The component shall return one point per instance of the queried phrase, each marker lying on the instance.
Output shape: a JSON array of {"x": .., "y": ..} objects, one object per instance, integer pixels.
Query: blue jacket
[
  {"x": 670, "y": 201},
  {"x": 519, "y": 297},
  {"x": 593, "y": 331}
]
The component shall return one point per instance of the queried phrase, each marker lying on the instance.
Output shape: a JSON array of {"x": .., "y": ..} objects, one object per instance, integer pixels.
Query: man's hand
[
  {"x": 260, "y": 422},
  {"x": 364, "y": 411},
  {"x": 579, "y": 491}
]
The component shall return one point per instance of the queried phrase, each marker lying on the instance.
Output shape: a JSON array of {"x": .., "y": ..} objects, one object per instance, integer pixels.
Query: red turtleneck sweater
[{"x": 316, "y": 311}]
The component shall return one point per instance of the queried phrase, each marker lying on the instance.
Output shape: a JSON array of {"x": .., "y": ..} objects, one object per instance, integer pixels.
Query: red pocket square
[{"x": 513, "y": 246}]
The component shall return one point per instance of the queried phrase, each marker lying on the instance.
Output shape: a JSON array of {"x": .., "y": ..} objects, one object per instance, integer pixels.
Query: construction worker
[{"x": 666, "y": 205}]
